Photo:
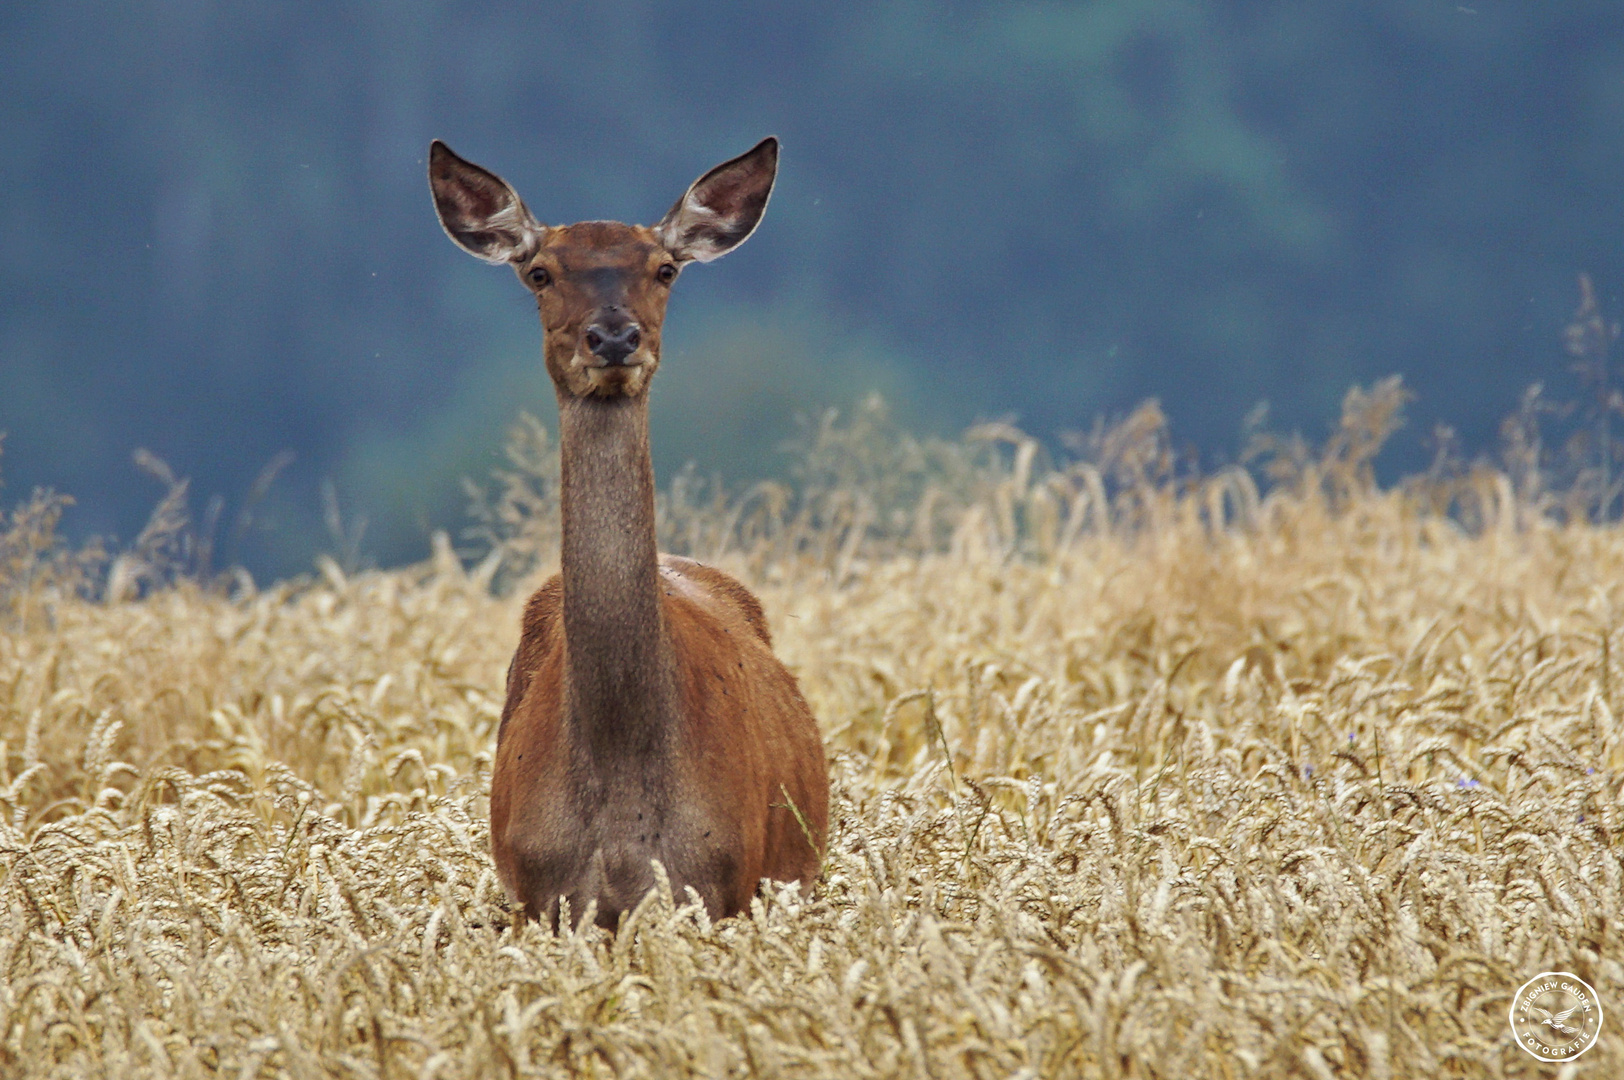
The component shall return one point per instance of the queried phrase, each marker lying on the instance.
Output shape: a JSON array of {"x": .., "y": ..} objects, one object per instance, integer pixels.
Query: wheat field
[{"x": 1135, "y": 774}]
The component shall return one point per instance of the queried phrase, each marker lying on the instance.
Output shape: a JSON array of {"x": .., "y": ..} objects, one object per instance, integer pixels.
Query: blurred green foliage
[{"x": 216, "y": 241}]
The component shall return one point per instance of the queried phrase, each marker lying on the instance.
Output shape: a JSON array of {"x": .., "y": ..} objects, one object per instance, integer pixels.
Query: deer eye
[
  {"x": 539, "y": 277},
  {"x": 667, "y": 273}
]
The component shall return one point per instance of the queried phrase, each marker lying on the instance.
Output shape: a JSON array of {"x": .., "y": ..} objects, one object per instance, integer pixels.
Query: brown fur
[
  {"x": 720, "y": 820},
  {"x": 646, "y": 718}
]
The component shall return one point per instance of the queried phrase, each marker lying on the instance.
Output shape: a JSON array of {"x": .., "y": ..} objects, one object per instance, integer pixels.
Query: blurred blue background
[{"x": 216, "y": 240}]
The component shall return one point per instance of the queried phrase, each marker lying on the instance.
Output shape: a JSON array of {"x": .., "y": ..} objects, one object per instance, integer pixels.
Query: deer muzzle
[{"x": 614, "y": 344}]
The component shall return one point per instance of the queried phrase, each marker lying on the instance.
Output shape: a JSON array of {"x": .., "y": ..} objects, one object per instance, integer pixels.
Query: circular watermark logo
[{"x": 1555, "y": 1016}]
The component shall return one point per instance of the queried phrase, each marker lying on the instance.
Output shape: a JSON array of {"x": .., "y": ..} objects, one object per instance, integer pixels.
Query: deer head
[{"x": 601, "y": 286}]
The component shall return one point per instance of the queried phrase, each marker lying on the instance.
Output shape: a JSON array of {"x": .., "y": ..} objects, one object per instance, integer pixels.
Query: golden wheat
[{"x": 1133, "y": 776}]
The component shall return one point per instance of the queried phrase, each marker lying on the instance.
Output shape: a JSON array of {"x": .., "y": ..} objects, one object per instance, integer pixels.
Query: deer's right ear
[{"x": 480, "y": 212}]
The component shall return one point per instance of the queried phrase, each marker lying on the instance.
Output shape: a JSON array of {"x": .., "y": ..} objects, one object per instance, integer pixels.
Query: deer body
[{"x": 647, "y": 717}]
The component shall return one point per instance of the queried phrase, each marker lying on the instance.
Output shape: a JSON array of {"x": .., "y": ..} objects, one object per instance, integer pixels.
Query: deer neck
[{"x": 621, "y": 688}]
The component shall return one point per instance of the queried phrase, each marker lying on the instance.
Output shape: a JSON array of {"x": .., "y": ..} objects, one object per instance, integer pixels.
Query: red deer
[{"x": 647, "y": 717}]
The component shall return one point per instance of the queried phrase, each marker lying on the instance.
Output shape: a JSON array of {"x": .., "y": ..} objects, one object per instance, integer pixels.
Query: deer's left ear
[{"x": 723, "y": 207}]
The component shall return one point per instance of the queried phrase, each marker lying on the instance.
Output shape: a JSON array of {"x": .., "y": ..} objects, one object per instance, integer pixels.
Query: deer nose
[{"x": 613, "y": 345}]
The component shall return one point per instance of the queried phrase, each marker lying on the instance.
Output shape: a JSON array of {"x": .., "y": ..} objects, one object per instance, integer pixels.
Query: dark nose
[{"x": 613, "y": 344}]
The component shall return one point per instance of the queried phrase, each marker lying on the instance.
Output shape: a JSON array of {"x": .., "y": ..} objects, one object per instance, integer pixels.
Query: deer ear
[
  {"x": 723, "y": 207},
  {"x": 480, "y": 212}
]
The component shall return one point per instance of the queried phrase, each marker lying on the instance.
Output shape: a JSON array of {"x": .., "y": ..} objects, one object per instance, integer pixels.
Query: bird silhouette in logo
[{"x": 1557, "y": 1021}]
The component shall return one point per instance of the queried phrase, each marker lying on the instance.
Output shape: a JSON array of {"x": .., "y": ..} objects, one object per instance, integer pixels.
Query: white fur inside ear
[
  {"x": 520, "y": 233},
  {"x": 694, "y": 231},
  {"x": 506, "y": 234}
]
